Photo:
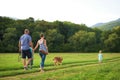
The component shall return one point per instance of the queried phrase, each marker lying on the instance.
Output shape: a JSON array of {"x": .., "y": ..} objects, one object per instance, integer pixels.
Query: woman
[{"x": 42, "y": 46}]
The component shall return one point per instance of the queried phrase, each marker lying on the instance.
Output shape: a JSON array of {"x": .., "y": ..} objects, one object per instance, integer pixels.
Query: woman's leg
[{"x": 43, "y": 56}]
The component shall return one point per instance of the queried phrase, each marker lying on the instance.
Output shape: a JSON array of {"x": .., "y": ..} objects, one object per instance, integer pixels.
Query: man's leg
[
  {"x": 24, "y": 59},
  {"x": 29, "y": 60},
  {"x": 29, "y": 55},
  {"x": 24, "y": 62}
]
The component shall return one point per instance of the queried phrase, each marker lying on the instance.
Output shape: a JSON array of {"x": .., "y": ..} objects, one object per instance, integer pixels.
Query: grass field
[{"x": 76, "y": 66}]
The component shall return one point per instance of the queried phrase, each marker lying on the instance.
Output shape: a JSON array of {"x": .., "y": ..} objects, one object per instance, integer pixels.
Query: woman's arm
[{"x": 36, "y": 46}]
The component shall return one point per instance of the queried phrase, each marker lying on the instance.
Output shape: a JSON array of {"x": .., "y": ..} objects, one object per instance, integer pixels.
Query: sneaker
[
  {"x": 25, "y": 68},
  {"x": 42, "y": 70}
]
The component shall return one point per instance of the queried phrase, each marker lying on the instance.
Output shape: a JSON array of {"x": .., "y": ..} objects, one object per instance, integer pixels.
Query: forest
[{"x": 60, "y": 36}]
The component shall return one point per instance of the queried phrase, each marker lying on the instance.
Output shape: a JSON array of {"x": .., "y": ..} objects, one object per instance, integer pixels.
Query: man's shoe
[{"x": 25, "y": 68}]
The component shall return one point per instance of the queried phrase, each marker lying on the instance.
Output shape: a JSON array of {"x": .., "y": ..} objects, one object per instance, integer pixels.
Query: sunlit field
[{"x": 75, "y": 66}]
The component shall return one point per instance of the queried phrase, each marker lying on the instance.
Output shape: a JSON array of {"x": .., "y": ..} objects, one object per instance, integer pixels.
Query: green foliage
[
  {"x": 83, "y": 41},
  {"x": 112, "y": 40},
  {"x": 55, "y": 40},
  {"x": 61, "y": 36}
]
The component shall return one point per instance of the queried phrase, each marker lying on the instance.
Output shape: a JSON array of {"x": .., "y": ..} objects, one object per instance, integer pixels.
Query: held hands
[{"x": 33, "y": 49}]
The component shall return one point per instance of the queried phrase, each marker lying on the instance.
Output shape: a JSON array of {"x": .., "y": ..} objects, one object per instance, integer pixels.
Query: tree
[
  {"x": 61, "y": 36},
  {"x": 5, "y": 22},
  {"x": 55, "y": 40},
  {"x": 83, "y": 41},
  {"x": 10, "y": 43},
  {"x": 112, "y": 43}
]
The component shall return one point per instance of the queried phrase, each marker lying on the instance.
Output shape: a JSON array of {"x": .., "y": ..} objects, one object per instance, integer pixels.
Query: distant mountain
[
  {"x": 107, "y": 26},
  {"x": 97, "y": 25}
]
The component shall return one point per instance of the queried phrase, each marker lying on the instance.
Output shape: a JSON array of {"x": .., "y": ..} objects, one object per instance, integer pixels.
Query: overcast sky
[{"x": 88, "y": 12}]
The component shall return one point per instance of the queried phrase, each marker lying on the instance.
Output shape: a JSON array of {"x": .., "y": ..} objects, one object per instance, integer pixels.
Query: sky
[{"x": 87, "y": 12}]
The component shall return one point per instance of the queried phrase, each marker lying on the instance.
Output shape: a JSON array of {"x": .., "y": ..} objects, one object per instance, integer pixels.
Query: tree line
[{"x": 61, "y": 36}]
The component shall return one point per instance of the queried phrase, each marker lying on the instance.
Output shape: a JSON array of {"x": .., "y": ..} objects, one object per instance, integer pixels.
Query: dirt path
[{"x": 20, "y": 76}]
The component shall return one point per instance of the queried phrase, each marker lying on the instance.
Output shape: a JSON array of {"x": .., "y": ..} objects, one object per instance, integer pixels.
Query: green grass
[
  {"x": 76, "y": 66},
  {"x": 108, "y": 71}
]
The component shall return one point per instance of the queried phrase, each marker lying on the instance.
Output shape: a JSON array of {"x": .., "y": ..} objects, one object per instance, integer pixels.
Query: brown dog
[{"x": 57, "y": 61}]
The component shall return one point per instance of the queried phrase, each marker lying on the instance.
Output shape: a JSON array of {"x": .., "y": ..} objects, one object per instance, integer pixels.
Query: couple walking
[{"x": 25, "y": 42}]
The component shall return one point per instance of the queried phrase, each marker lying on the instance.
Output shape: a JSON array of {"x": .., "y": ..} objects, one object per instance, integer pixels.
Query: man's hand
[{"x": 19, "y": 49}]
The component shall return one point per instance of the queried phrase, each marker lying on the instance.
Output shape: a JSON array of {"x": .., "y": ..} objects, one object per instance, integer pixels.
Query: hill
[
  {"x": 107, "y": 26},
  {"x": 97, "y": 25}
]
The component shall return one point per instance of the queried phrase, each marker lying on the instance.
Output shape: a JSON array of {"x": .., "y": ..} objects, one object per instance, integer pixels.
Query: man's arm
[
  {"x": 31, "y": 44},
  {"x": 19, "y": 45}
]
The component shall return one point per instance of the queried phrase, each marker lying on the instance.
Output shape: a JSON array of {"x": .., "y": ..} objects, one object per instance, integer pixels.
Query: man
[{"x": 25, "y": 43}]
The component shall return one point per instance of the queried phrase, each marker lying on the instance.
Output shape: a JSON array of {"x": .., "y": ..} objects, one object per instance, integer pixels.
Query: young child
[
  {"x": 100, "y": 56},
  {"x": 31, "y": 62}
]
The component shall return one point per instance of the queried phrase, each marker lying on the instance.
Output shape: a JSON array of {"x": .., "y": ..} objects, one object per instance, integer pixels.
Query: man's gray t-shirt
[{"x": 25, "y": 40}]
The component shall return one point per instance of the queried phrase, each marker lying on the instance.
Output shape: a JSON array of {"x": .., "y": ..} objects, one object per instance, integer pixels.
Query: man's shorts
[{"x": 26, "y": 53}]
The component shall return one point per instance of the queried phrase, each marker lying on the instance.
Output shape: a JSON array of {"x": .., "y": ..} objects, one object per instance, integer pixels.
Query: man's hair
[{"x": 26, "y": 30}]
